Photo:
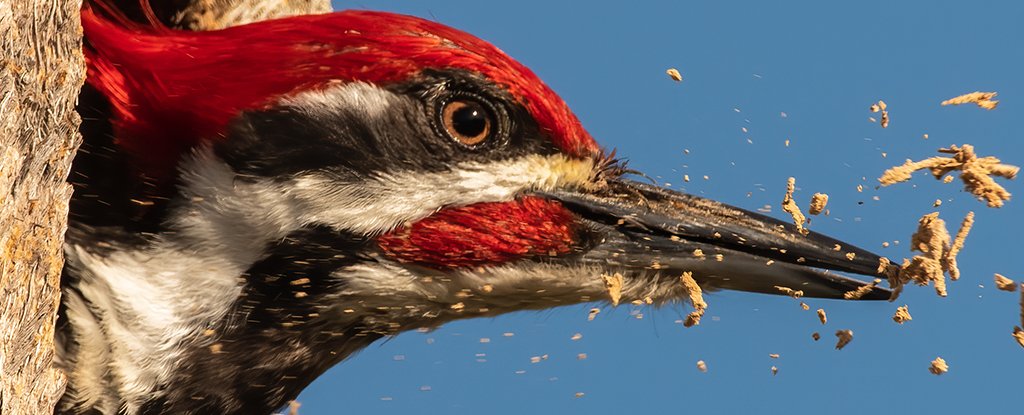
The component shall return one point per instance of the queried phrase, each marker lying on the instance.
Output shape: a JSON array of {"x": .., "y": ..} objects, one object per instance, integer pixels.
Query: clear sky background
[{"x": 744, "y": 64}]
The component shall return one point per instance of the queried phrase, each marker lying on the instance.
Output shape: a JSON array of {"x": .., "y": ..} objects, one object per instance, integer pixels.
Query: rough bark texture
[
  {"x": 218, "y": 14},
  {"x": 41, "y": 72}
]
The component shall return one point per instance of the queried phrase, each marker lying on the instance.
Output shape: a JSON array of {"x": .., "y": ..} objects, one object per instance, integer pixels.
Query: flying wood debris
[
  {"x": 674, "y": 74},
  {"x": 775, "y": 371},
  {"x": 818, "y": 202},
  {"x": 958, "y": 244},
  {"x": 613, "y": 283},
  {"x": 1005, "y": 284},
  {"x": 975, "y": 172},
  {"x": 789, "y": 206},
  {"x": 773, "y": 355},
  {"x": 593, "y": 313},
  {"x": 702, "y": 367},
  {"x": 981, "y": 99},
  {"x": 861, "y": 291},
  {"x": 815, "y": 336},
  {"x": 902, "y": 315},
  {"x": 845, "y": 337},
  {"x": 822, "y": 316},
  {"x": 938, "y": 366},
  {"x": 933, "y": 240},
  {"x": 790, "y": 292},
  {"x": 881, "y": 107},
  {"x": 694, "y": 292}
]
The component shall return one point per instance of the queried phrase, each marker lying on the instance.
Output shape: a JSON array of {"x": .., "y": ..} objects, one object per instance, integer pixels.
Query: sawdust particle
[
  {"x": 939, "y": 255},
  {"x": 975, "y": 172},
  {"x": 845, "y": 337},
  {"x": 790, "y": 292},
  {"x": 861, "y": 291},
  {"x": 790, "y": 206},
  {"x": 822, "y": 316},
  {"x": 818, "y": 203},
  {"x": 674, "y": 74},
  {"x": 902, "y": 315},
  {"x": 1004, "y": 283},
  {"x": 694, "y": 292},
  {"x": 981, "y": 99},
  {"x": 613, "y": 283},
  {"x": 938, "y": 366},
  {"x": 702, "y": 367}
]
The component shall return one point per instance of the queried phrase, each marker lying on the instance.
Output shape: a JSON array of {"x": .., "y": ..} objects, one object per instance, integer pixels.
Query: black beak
[{"x": 636, "y": 226}]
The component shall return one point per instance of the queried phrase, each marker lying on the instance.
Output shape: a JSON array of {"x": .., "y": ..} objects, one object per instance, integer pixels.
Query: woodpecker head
[{"x": 323, "y": 181}]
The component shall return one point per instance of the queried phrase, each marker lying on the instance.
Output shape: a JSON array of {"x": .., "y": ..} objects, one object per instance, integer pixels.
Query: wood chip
[
  {"x": 1005, "y": 284},
  {"x": 790, "y": 292},
  {"x": 822, "y": 316},
  {"x": 975, "y": 172},
  {"x": 804, "y": 306},
  {"x": 845, "y": 337},
  {"x": 581, "y": 356},
  {"x": 613, "y": 283},
  {"x": 981, "y": 99},
  {"x": 694, "y": 292},
  {"x": 702, "y": 367},
  {"x": 790, "y": 206},
  {"x": 949, "y": 258},
  {"x": 773, "y": 355},
  {"x": 933, "y": 240},
  {"x": 593, "y": 313},
  {"x": 674, "y": 74},
  {"x": 775, "y": 371},
  {"x": 815, "y": 336},
  {"x": 938, "y": 366},
  {"x": 576, "y": 336},
  {"x": 902, "y": 315},
  {"x": 818, "y": 202},
  {"x": 861, "y": 291}
]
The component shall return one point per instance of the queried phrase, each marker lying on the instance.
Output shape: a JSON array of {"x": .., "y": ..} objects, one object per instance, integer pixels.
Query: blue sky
[{"x": 744, "y": 64}]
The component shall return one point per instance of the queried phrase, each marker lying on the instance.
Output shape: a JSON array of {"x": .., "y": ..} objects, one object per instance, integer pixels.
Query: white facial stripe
[
  {"x": 389, "y": 200},
  {"x": 372, "y": 101}
]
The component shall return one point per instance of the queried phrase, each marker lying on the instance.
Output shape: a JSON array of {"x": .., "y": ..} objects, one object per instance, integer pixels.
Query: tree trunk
[{"x": 41, "y": 73}]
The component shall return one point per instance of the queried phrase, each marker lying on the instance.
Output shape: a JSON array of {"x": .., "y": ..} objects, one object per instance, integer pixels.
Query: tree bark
[{"x": 41, "y": 73}]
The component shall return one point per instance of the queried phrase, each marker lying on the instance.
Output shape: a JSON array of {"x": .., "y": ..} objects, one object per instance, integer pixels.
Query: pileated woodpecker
[{"x": 257, "y": 203}]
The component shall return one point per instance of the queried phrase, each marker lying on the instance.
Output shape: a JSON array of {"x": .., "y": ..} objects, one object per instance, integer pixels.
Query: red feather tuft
[
  {"x": 484, "y": 233},
  {"x": 173, "y": 89}
]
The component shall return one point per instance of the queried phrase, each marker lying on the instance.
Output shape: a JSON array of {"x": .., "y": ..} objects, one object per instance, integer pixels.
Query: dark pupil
[{"x": 470, "y": 120}]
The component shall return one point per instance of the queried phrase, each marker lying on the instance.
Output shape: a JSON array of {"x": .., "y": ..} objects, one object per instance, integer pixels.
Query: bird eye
[{"x": 468, "y": 121}]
